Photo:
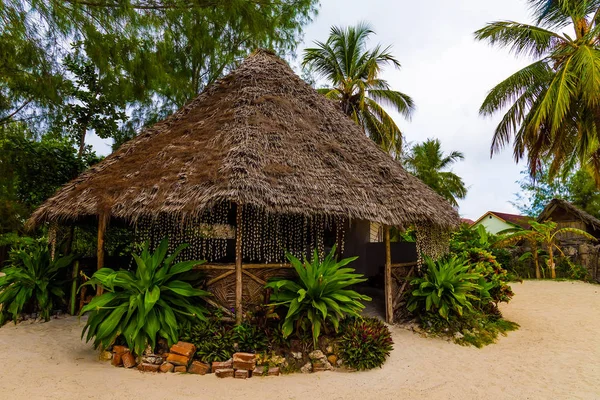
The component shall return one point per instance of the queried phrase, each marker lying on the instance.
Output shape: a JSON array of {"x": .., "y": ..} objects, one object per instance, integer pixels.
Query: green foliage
[
  {"x": 353, "y": 71},
  {"x": 320, "y": 296},
  {"x": 473, "y": 328},
  {"x": 159, "y": 54},
  {"x": 578, "y": 188},
  {"x": 250, "y": 338},
  {"x": 213, "y": 339},
  {"x": 32, "y": 280},
  {"x": 31, "y": 170},
  {"x": 551, "y": 105},
  {"x": 427, "y": 162},
  {"x": 447, "y": 288},
  {"x": 147, "y": 304},
  {"x": 90, "y": 107},
  {"x": 365, "y": 343}
]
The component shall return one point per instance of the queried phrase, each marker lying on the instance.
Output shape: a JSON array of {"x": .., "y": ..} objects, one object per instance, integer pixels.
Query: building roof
[
  {"x": 513, "y": 219},
  {"x": 259, "y": 136},
  {"x": 588, "y": 219}
]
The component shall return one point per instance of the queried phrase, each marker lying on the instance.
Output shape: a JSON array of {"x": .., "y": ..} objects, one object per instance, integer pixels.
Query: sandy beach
[{"x": 555, "y": 354}]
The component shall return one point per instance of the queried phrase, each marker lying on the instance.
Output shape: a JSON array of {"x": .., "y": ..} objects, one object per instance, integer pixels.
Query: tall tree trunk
[{"x": 534, "y": 252}]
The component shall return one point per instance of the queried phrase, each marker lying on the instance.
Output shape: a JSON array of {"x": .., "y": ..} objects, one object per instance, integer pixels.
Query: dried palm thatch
[
  {"x": 586, "y": 218},
  {"x": 259, "y": 136}
]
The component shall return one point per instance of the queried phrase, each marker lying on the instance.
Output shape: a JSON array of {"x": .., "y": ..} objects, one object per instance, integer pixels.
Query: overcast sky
[{"x": 448, "y": 75}]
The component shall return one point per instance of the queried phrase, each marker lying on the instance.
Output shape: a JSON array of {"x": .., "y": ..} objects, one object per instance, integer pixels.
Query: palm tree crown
[
  {"x": 427, "y": 162},
  {"x": 353, "y": 71},
  {"x": 552, "y": 105}
]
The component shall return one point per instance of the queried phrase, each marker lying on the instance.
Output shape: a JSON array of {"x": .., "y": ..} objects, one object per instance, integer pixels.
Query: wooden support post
[
  {"x": 102, "y": 221},
  {"x": 52, "y": 240},
  {"x": 74, "y": 287},
  {"x": 238, "y": 264},
  {"x": 389, "y": 306}
]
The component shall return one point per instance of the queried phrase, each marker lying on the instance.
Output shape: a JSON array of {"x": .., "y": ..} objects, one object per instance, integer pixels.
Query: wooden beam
[
  {"x": 102, "y": 221},
  {"x": 244, "y": 266},
  {"x": 389, "y": 308},
  {"x": 254, "y": 277},
  {"x": 408, "y": 264},
  {"x": 238, "y": 264},
  {"x": 74, "y": 275},
  {"x": 212, "y": 267},
  {"x": 218, "y": 278}
]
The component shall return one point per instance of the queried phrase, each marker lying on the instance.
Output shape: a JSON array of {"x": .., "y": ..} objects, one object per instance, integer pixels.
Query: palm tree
[
  {"x": 545, "y": 234},
  {"x": 353, "y": 71},
  {"x": 427, "y": 162},
  {"x": 553, "y": 104}
]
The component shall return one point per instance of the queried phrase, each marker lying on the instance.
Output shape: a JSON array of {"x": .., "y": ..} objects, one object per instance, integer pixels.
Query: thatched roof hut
[
  {"x": 261, "y": 138},
  {"x": 568, "y": 215}
]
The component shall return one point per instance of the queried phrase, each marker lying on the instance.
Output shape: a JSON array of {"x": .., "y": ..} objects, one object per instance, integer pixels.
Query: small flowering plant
[{"x": 365, "y": 343}]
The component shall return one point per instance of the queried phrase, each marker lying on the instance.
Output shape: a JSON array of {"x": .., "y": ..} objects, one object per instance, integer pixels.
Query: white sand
[{"x": 555, "y": 354}]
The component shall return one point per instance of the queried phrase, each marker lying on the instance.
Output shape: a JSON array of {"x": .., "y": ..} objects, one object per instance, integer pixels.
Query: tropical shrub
[
  {"x": 32, "y": 281},
  {"x": 365, "y": 343},
  {"x": 214, "y": 340},
  {"x": 319, "y": 296},
  {"x": 147, "y": 304},
  {"x": 250, "y": 338},
  {"x": 447, "y": 288}
]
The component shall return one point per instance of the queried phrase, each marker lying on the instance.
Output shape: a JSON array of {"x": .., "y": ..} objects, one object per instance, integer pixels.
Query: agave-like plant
[
  {"x": 320, "y": 295},
  {"x": 446, "y": 288},
  {"x": 31, "y": 279},
  {"x": 147, "y": 304}
]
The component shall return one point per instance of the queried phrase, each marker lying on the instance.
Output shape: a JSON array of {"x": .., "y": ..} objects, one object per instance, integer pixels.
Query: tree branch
[{"x": 9, "y": 117}]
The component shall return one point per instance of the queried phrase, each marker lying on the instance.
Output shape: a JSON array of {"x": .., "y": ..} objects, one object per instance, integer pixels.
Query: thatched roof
[
  {"x": 571, "y": 209},
  {"x": 259, "y": 136}
]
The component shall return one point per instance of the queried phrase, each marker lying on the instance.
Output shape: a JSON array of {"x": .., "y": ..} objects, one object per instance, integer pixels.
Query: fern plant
[
  {"x": 320, "y": 295},
  {"x": 147, "y": 304},
  {"x": 446, "y": 288},
  {"x": 32, "y": 280}
]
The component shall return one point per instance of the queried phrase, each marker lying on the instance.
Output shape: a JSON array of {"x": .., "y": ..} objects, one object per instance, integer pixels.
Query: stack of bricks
[
  {"x": 179, "y": 359},
  {"x": 122, "y": 357}
]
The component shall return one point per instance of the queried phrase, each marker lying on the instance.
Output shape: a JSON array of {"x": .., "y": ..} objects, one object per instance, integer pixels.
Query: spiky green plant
[
  {"x": 31, "y": 279},
  {"x": 447, "y": 288},
  {"x": 320, "y": 295},
  {"x": 552, "y": 105},
  {"x": 353, "y": 72},
  {"x": 147, "y": 304}
]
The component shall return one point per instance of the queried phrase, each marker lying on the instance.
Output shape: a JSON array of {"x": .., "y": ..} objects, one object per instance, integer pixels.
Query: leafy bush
[
  {"x": 250, "y": 338},
  {"x": 446, "y": 288},
  {"x": 365, "y": 343},
  {"x": 145, "y": 305},
  {"x": 319, "y": 296},
  {"x": 214, "y": 340},
  {"x": 32, "y": 281}
]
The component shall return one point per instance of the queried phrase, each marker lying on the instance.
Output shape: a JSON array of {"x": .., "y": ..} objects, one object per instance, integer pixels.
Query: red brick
[
  {"x": 145, "y": 367},
  {"x": 184, "y": 349},
  {"x": 128, "y": 360},
  {"x": 166, "y": 367},
  {"x": 180, "y": 368},
  {"x": 247, "y": 366},
  {"x": 259, "y": 370},
  {"x": 120, "y": 349},
  {"x": 242, "y": 374},
  {"x": 244, "y": 357},
  {"x": 117, "y": 359},
  {"x": 225, "y": 373},
  {"x": 273, "y": 371},
  {"x": 199, "y": 368},
  {"x": 222, "y": 364},
  {"x": 177, "y": 359}
]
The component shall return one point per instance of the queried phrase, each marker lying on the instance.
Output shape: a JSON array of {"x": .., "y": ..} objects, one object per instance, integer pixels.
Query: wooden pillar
[
  {"x": 389, "y": 306},
  {"x": 102, "y": 221},
  {"x": 75, "y": 274},
  {"x": 238, "y": 264},
  {"x": 52, "y": 240}
]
